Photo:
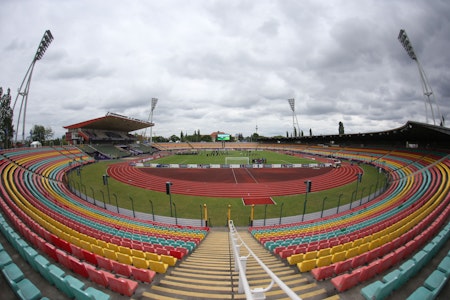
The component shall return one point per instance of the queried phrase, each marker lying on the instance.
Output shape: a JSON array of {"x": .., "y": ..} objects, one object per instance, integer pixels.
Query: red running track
[{"x": 236, "y": 182}]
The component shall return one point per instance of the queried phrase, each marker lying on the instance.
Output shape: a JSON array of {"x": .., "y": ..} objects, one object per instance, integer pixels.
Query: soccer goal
[{"x": 238, "y": 160}]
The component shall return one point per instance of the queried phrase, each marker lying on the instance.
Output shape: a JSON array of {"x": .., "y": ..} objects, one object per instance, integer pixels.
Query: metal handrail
[{"x": 240, "y": 265}]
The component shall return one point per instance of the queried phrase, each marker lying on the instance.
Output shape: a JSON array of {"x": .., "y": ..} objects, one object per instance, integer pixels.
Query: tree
[
  {"x": 6, "y": 119},
  {"x": 41, "y": 134},
  {"x": 341, "y": 128},
  {"x": 174, "y": 138}
]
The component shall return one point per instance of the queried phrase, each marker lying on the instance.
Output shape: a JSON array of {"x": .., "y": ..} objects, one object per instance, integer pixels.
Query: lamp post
[
  {"x": 323, "y": 205},
  {"x": 93, "y": 195},
  {"x": 362, "y": 194},
  {"x": 169, "y": 192},
  {"x": 132, "y": 206},
  {"x": 426, "y": 88},
  {"x": 24, "y": 90},
  {"x": 265, "y": 214},
  {"x": 117, "y": 204},
  {"x": 339, "y": 203},
  {"x": 176, "y": 218},
  {"x": 105, "y": 182},
  {"x": 281, "y": 211},
  {"x": 308, "y": 189},
  {"x": 151, "y": 204},
  {"x": 103, "y": 197}
]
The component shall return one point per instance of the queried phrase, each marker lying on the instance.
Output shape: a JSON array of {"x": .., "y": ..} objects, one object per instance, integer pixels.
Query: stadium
[
  {"x": 61, "y": 239},
  {"x": 109, "y": 216}
]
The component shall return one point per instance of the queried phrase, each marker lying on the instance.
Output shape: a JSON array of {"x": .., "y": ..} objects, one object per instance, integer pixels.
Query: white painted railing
[{"x": 240, "y": 264}]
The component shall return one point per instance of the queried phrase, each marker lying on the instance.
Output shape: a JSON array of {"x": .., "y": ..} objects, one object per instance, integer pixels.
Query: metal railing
[{"x": 240, "y": 264}]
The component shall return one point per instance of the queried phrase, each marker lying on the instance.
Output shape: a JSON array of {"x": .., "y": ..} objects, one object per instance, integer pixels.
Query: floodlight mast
[
  {"x": 150, "y": 118},
  {"x": 294, "y": 117},
  {"x": 43, "y": 45},
  {"x": 426, "y": 88}
]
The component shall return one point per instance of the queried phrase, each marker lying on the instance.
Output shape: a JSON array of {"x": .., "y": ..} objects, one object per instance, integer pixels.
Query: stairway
[{"x": 208, "y": 273}]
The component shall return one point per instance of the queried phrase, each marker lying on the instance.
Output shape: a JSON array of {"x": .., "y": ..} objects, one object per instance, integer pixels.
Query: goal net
[{"x": 238, "y": 160}]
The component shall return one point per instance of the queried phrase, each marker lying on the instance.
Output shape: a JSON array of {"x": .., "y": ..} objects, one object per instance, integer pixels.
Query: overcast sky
[{"x": 228, "y": 65}]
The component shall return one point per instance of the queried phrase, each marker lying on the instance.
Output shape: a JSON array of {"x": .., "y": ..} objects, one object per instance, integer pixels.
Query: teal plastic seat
[
  {"x": 26, "y": 290},
  {"x": 421, "y": 293},
  {"x": 87, "y": 294},
  {"x": 30, "y": 254},
  {"x": 435, "y": 282},
  {"x": 5, "y": 259},
  {"x": 444, "y": 266},
  {"x": 13, "y": 274}
]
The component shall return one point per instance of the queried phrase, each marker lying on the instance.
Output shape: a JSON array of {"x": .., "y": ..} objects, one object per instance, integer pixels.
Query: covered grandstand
[
  {"x": 108, "y": 137},
  {"x": 411, "y": 135}
]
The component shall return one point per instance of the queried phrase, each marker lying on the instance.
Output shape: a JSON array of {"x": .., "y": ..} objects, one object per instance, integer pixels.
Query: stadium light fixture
[
  {"x": 154, "y": 101},
  {"x": 294, "y": 118},
  {"x": 426, "y": 88},
  {"x": 24, "y": 90}
]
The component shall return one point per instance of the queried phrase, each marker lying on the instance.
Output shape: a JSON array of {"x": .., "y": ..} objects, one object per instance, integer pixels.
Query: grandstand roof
[
  {"x": 425, "y": 135},
  {"x": 112, "y": 121}
]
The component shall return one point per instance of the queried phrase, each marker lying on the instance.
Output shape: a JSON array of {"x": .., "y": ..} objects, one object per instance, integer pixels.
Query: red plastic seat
[
  {"x": 368, "y": 271},
  {"x": 345, "y": 281},
  {"x": 89, "y": 257},
  {"x": 323, "y": 272},
  {"x": 98, "y": 276},
  {"x": 104, "y": 263},
  {"x": 286, "y": 253},
  {"x": 373, "y": 254},
  {"x": 50, "y": 250},
  {"x": 359, "y": 260},
  {"x": 143, "y": 275},
  {"x": 63, "y": 259},
  {"x": 177, "y": 254},
  {"x": 78, "y": 267},
  {"x": 122, "y": 286},
  {"x": 342, "y": 266},
  {"x": 76, "y": 251},
  {"x": 386, "y": 262},
  {"x": 121, "y": 269}
]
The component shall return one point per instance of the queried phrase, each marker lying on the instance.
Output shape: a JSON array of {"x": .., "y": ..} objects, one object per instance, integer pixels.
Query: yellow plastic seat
[
  {"x": 170, "y": 260},
  {"x": 152, "y": 256},
  {"x": 324, "y": 261},
  {"x": 124, "y": 250},
  {"x": 363, "y": 248},
  {"x": 111, "y": 254},
  {"x": 137, "y": 253},
  {"x": 158, "y": 266},
  {"x": 97, "y": 250},
  {"x": 124, "y": 258},
  {"x": 306, "y": 265},
  {"x": 324, "y": 252},
  {"x": 352, "y": 252},
  {"x": 339, "y": 256},
  {"x": 140, "y": 262},
  {"x": 310, "y": 255},
  {"x": 86, "y": 245},
  {"x": 113, "y": 247},
  {"x": 335, "y": 249}
]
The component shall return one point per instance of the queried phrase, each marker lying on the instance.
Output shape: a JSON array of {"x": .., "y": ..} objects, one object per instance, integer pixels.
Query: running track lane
[{"x": 222, "y": 183}]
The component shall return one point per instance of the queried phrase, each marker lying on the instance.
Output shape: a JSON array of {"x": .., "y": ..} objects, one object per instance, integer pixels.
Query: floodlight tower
[
  {"x": 294, "y": 116},
  {"x": 24, "y": 90},
  {"x": 150, "y": 118},
  {"x": 427, "y": 91}
]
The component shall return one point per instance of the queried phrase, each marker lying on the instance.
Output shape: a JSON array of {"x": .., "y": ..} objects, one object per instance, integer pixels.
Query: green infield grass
[{"x": 90, "y": 181}]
